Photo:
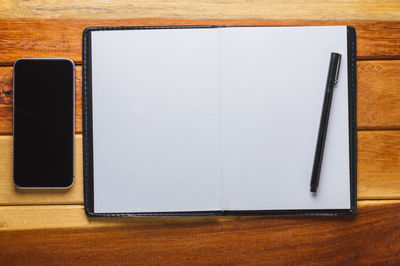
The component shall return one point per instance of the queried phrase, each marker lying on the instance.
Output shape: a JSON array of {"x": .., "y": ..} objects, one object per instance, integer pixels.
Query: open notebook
[{"x": 216, "y": 120}]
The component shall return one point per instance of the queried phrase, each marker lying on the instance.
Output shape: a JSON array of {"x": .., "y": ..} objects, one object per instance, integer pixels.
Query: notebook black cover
[{"x": 87, "y": 128}]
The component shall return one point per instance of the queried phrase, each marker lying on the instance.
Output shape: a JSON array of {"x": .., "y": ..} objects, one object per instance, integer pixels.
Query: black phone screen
[{"x": 44, "y": 99}]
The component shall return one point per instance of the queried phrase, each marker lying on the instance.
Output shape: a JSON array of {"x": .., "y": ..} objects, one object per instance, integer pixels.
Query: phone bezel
[{"x": 73, "y": 121}]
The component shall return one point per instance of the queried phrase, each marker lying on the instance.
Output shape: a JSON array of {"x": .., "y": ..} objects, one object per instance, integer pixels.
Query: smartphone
[{"x": 44, "y": 123}]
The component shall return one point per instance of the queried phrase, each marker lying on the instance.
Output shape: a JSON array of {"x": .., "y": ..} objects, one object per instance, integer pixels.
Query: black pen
[{"x": 333, "y": 74}]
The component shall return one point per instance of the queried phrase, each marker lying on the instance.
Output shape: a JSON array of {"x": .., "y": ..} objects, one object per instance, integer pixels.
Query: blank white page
[
  {"x": 217, "y": 118},
  {"x": 156, "y": 120},
  {"x": 272, "y": 82}
]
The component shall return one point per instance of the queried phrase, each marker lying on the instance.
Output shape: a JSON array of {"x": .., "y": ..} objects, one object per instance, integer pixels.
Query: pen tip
[{"x": 313, "y": 189}]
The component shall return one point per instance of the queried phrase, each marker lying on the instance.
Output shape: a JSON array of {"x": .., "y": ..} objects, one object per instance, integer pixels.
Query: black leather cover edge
[
  {"x": 352, "y": 84},
  {"x": 88, "y": 136},
  {"x": 87, "y": 129}
]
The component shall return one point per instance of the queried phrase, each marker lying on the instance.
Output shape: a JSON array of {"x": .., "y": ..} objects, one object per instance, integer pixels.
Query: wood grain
[
  {"x": 372, "y": 236},
  {"x": 378, "y": 96},
  {"x": 9, "y": 195},
  {"x": 378, "y": 164},
  {"x": 62, "y": 38},
  {"x": 73, "y": 216},
  {"x": 6, "y": 100},
  {"x": 378, "y": 172},
  {"x": 387, "y": 10}
]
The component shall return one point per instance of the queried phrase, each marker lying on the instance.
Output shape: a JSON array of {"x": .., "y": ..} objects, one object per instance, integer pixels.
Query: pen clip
[{"x": 337, "y": 68}]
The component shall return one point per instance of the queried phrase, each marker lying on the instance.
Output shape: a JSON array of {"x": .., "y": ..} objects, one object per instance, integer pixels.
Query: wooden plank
[
  {"x": 378, "y": 164},
  {"x": 387, "y": 10},
  {"x": 73, "y": 216},
  {"x": 62, "y": 38},
  {"x": 232, "y": 240},
  {"x": 378, "y": 172},
  {"x": 378, "y": 96},
  {"x": 9, "y": 195},
  {"x": 6, "y": 100}
]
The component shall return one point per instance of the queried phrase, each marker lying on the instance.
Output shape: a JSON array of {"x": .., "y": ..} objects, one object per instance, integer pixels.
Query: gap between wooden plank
[
  {"x": 362, "y": 129},
  {"x": 81, "y": 204},
  {"x": 79, "y": 63}
]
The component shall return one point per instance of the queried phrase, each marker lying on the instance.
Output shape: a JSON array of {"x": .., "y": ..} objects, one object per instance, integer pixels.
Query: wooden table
[{"x": 50, "y": 227}]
